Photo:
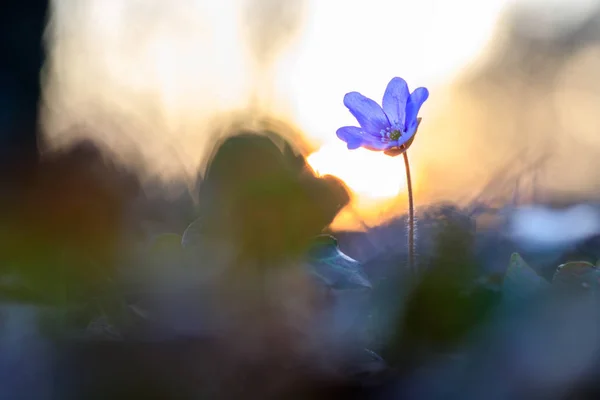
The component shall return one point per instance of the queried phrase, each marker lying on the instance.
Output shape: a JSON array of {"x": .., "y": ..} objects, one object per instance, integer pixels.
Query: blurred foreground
[{"x": 110, "y": 293}]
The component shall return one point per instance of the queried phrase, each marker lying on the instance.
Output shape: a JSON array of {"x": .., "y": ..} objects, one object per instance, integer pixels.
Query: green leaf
[
  {"x": 333, "y": 267},
  {"x": 520, "y": 280}
]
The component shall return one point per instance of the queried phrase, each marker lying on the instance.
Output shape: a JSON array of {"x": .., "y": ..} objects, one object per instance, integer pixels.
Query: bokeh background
[{"x": 513, "y": 84}]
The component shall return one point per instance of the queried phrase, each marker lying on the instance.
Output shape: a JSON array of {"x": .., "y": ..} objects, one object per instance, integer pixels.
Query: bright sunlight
[{"x": 383, "y": 178}]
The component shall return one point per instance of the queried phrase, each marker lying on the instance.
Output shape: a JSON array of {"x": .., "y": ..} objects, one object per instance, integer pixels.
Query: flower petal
[
  {"x": 356, "y": 137},
  {"x": 410, "y": 133},
  {"x": 407, "y": 136},
  {"x": 394, "y": 101},
  {"x": 352, "y": 135},
  {"x": 416, "y": 99},
  {"x": 368, "y": 113},
  {"x": 376, "y": 144}
]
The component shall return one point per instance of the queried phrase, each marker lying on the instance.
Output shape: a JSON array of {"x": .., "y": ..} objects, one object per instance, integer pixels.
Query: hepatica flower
[{"x": 389, "y": 127}]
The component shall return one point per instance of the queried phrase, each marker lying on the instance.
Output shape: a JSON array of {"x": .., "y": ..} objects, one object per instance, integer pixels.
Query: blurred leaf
[
  {"x": 333, "y": 267},
  {"x": 192, "y": 233},
  {"x": 262, "y": 199},
  {"x": 579, "y": 274},
  {"x": 165, "y": 248},
  {"x": 101, "y": 327},
  {"x": 139, "y": 312},
  {"x": 365, "y": 365},
  {"x": 520, "y": 280},
  {"x": 165, "y": 243}
]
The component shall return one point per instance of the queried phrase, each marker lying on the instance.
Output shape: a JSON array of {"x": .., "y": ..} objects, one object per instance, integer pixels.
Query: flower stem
[{"x": 411, "y": 216}]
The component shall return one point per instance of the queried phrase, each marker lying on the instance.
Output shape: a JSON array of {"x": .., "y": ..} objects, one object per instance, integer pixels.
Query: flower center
[{"x": 390, "y": 134}]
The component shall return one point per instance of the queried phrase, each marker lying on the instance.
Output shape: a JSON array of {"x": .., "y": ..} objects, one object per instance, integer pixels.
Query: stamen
[{"x": 395, "y": 135}]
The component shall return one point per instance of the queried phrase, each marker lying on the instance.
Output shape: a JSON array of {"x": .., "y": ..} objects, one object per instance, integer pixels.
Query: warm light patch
[
  {"x": 171, "y": 70},
  {"x": 369, "y": 174}
]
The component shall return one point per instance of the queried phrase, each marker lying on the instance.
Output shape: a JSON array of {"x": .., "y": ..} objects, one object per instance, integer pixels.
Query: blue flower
[{"x": 390, "y": 128}]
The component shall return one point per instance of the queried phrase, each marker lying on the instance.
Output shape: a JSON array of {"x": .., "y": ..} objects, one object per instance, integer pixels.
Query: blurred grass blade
[
  {"x": 334, "y": 268},
  {"x": 520, "y": 280}
]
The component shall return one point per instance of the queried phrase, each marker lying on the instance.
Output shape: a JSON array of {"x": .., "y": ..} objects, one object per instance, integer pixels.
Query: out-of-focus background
[{"x": 513, "y": 83}]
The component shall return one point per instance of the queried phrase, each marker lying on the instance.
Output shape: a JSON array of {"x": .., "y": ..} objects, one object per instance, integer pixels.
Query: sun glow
[
  {"x": 328, "y": 62},
  {"x": 367, "y": 173},
  {"x": 176, "y": 67}
]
